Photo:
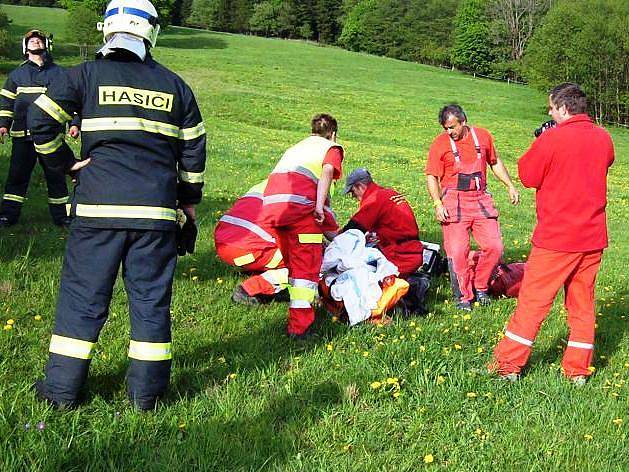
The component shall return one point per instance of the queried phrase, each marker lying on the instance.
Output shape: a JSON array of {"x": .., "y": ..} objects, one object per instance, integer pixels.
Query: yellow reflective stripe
[
  {"x": 17, "y": 134},
  {"x": 20, "y": 90},
  {"x": 126, "y": 211},
  {"x": 57, "y": 201},
  {"x": 50, "y": 146},
  {"x": 129, "y": 124},
  {"x": 8, "y": 94},
  {"x": 68, "y": 209},
  {"x": 50, "y": 106},
  {"x": 143, "y": 351},
  {"x": 244, "y": 260},
  {"x": 14, "y": 198},
  {"x": 191, "y": 177},
  {"x": 302, "y": 293},
  {"x": 7, "y": 113},
  {"x": 308, "y": 238},
  {"x": 71, "y": 347},
  {"x": 275, "y": 260},
  {"x": 191, "y": 133}
]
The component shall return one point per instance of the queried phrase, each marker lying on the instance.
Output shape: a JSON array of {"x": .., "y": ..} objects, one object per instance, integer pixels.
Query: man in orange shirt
[
  {"x": 456, "y": 175},
  {"x": 567, "y": 165}
]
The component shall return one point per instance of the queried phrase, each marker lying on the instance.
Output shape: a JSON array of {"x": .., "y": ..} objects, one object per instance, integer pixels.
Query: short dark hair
[
  {"x": 571, "y": 96},
  {"x": 454, "y": 110},
  {"x": 324, "y": 125}
]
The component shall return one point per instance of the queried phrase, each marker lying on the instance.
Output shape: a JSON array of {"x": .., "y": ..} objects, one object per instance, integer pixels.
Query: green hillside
[{"x": 243, "y": 396}]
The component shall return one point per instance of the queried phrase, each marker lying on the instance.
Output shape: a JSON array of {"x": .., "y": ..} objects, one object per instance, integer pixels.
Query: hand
[
  {"x": 74, "y": 131},
  {"x": 441, "y": 213},
  {"x": 3, "y": 133},
  {"x": 78, "y": 165},
  {"x": 319, "y": 216},
  {"x": 514, "y": 195}
]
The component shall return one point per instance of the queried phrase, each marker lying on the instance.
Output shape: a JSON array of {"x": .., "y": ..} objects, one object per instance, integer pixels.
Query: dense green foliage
[
  {"x": 243, "y": 397},
  {"x": 586, "y": 41},
  {"x": 472, "y": 49}
]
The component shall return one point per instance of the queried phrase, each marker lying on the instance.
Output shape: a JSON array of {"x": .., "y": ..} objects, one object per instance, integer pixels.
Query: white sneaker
[{"x": 579, "y": 380}]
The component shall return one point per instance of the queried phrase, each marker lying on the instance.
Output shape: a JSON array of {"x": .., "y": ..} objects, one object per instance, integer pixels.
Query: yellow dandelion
[
  {"x": 476, "y": 304},
  {"x": 467, "y": 317},
  {"x": 458, "y": 347},
  {"x": 422, "y": 348},
  {"x": 10, "y": 321},
  {"x": 7, "y": 327},
  {"x": 347, "y": 447},
  {"x": 335, "y": 319},
  {"x": 37, "y": 317},
  {"x": 196, "y": 277},
  {"x": 617, "y": 421},
  {"x": 591, "y": 368},
  {"x": 429, "y": 459},
  {"x": 480, "y": 350},
  {"x": 365, "y": 354},
  {"x": 588, "y": 437},
  {"x": 392, "y": 380},
  {"x": 329, "y": 347},
  {"x": 413, "y": 363},
  {"x": 472, "y": 394},
  {"x": 233, "y": 376},
  {"x": 441, "y": 379},
  {"x": 396, "y": 394},
  {"x": 182, "y": 425},
  {"x": 375, "y": 385}
]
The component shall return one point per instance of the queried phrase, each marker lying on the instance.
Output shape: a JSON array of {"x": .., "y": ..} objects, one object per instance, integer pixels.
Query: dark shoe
[
  {"x": 483, "y": 298},
  {"x": 239, "y": 295},
  {"x": 6, "y": 222},
  {"x": 44, "y": 395},
  {"x": 145, "y": 405},
  {"x": 304, "y": 337},
  {"x": 465, "y": 306},
  {"x": 64, "y": 222}
]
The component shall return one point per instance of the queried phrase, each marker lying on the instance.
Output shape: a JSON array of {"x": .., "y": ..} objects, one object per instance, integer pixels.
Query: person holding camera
[
  {"x": 456, "y": 176},
  {"x": 143, "y": 157},
  {"x": 567, "y": 165}
]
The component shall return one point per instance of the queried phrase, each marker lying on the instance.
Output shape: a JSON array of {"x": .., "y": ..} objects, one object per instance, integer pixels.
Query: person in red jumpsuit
[
  {"x": 456, "y": 175},
  {"x": 567, "y": 165},
  {"x": 243, "y": 240},
  {"x": 388, "y": 219},
  {"x": 296, "y": 206}
]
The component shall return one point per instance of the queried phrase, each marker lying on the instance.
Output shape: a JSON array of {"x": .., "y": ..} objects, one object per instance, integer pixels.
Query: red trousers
[
  {"x": 301, "y": 245},
  {"x": 268, "y": 282},
  {"x": 546, "y": 272},
  {"x": 456, "y": 242}
]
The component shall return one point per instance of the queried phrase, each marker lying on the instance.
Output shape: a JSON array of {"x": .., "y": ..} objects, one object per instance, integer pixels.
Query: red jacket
[
  {"x": 568, "y": 167},
  {"x": 386, "y": 212}
]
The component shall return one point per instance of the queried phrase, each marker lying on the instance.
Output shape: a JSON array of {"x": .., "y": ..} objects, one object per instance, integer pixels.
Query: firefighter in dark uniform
[
  {"x": 21, "y": 88},
  {"x": 143, "y": 156}
]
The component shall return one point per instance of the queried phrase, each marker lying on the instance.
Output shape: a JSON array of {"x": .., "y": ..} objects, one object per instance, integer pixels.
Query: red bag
[{"x": 506, "y": 279}]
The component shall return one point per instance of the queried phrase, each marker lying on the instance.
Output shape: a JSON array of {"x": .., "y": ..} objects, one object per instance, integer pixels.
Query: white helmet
[{"x": 136, "y": 17}]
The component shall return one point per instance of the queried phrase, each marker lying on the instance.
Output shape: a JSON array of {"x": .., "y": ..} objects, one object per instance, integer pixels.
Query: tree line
[{"x": 541, "y": 42}]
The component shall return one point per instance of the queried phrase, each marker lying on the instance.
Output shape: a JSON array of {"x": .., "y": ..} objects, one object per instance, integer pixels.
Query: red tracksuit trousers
[
  {"x": 301, "y": 246},
  {"x": 546, "y": 272}
]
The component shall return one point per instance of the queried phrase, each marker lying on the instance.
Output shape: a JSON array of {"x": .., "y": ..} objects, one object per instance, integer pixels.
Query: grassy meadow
[{"x": 243, "y": 397}]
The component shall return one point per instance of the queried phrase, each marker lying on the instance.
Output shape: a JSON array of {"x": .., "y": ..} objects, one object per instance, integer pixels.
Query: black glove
[
  {"x": 545, "y": 126},
  {"x": 186, "y": 234}
]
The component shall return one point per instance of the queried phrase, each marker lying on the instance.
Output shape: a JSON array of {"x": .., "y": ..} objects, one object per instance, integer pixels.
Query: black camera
[{"x": 545, "y": 126}]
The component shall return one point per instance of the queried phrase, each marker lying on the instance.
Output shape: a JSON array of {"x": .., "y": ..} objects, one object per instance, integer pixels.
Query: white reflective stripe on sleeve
[
  {"x": 8, "y": 94},
  {"x": 277, "y": 277},
  {"x": 298, "y": 170},
  {"x": 580, "y": 345},
  {"x": 518, "y": 339},
  {"x": 7, "y": 113},
  {"x": 287, "y": 198},
  {"x": 192, "y": 133},
  {"x": 191, "y": 177},
  {"x": 20, "y": 90},
  {"x": 144, "y": 351},
  {"x": 254, "y": 228},
  {"x": 71, "y": 347},
  {"x": 52, "y": 108},
  {"x": 126, "y": 211},
  {"x": 57, "y": 201},
  {"x": 299, "y": 304},
  {"x": 275, "y": 260},
  {"x": 14, "y": 198},
  {"x": 129, "y": 124},
  {"x": 303, "y": 283}
]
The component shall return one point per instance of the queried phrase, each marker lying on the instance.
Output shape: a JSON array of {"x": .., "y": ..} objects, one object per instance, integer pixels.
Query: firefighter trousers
[
  {"x": 93, "y": 257},
  {"x": 23, "y": 159},
  {"x": 301, "y": 246},
  {"x": 546, "y": 272}
]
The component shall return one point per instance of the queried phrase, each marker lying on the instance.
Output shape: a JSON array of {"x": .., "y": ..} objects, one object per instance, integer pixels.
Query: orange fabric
[
  {"x": 546, "y": 272},
  {"x": 441, "y": 161},
  {"x": 456, "y": 242},
  {"x": 391, "y": 294},
  {"x": 258, "y": 285}
]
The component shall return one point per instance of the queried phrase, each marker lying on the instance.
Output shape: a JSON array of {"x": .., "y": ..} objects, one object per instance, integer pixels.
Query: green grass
[{"x": 313, "y": 408}]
